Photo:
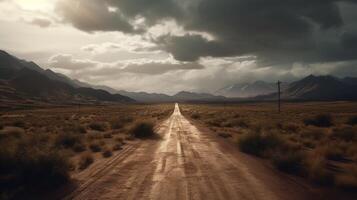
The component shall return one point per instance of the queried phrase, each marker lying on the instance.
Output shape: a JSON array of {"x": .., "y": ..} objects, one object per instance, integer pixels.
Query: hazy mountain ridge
[
  {"x": 26, "y": 80},
  {"x": 318, "y": 88},
  {"x": 245, "y": 90}
]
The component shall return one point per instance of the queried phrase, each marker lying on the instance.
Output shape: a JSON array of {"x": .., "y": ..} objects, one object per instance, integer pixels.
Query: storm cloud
[{"x": 276, "y": 31}]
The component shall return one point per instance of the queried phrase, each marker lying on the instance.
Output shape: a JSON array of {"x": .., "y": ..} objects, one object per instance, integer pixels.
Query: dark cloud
[
  {"x": 276, "y": 31},
  {"x": 93, "y": 15}
]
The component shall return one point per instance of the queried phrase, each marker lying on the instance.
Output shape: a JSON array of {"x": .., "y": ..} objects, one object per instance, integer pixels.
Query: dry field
[
  {"x": 41, "y": 149},
  {"x": 316, "y": 140}
]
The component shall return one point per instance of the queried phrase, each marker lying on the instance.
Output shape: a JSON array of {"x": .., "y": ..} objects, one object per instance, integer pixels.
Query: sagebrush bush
[
  {"x": 30, "y": 163},
  {"x": 289, "y": 161},
  {"x": 352, "y": 120},
  {"x": 117, "y": 147},
  {"x": 321, "y": 120},
  {"x": 97, "y": 126},
  {"x": 12, "y": 131},
  {"x": 95, "y": 147},
  {"x": 224, "y": 135},
  {"x": 85, "y": 161},
  {"x": 317, "y": 172},
  {"x": 107, "y": 153},
  {"x": 143, "y": 129},
  {"x": 67, "y": 140},
  {"x": 346, "y": 133},
  {"x": 195, "y": 116},
  {"x": 257, "y": 143}
]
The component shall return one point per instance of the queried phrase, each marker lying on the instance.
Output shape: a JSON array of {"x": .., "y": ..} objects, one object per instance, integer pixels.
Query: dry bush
[
  {"x": 317, "y": 171},
  {"x": 116, "y": 124},
  {"x": 224, "y": 135},
  {"x": 321, "y": 120},
  {"x": 79, "y": 147},
  {"x": 257, "y": 143},
  {"x": 290, "y": 161},
  {"x": 289, "y": 127},
  {"x": 74, "y": 128},
  {"x": 31, "y": 163},
  {"x": 117, "y": 147},
  {"x": 85, "y": 160},
  {"x": 107, "y": 153},
  {"x": 98, "y": 126},
  {"x": 95, "y": 147},
  {"x": 347, "y": 182},
  {"x": 19, "y": 123},
  {"x": 346, "y": 133},
  {"x": 120, "y": 140},
  {"x": 12, "y": 131},
  {"x": 314, "y": 133},
  {"x": 67, "y": 140},
  {"x": 195, "y": 116},
  {"x": 352, "y": 120},
  {"x": 143, "y": 129},
  {"x": 107, "y": 135}
]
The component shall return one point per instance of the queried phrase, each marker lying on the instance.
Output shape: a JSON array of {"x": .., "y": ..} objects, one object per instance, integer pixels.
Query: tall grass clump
[
  {"x": 30, "y": 163},
  {"x": 352, "y": 120},
  {"x": 321, "y": 120},
  {"x": 259, "y": 143},
  {"x": 98, "y": 126},
  {"x": 143, "y": 129}
]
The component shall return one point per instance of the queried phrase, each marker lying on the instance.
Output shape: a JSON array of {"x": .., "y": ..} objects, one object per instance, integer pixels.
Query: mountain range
[
  {"x": 23, "y": 80},
  {"x": 26, "y": 81}
]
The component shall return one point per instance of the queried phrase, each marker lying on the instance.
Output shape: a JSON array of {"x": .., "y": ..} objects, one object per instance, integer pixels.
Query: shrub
[
  {"x": 195, "y": 116},
  {"x": 143, "y": 129},
  {"x": 288, "y": 161},
  {"x": 348, "y": 182},
  {"x": 107, "y": 153},
  {"x": 95, "y": 147},
  {"x": 224, "y": 135},
  {"x": 257, "y": 143},
  {"x": 85, "y": 161},
  {"x": 29, "y": 163},
  {"x": 346, "y": 133},
  {"x": 97, "y": 126},
  {"x": 313, "y": 133},
  {"x": 117, "y": 147},
  {"x": 79, "y": 147},
  {"x": 107, "y": 135},
  {"x": 321, "y": 120},
  {"x": 116, "y": 124},
  {"x": 19, "y": 123},
  {"x": 352, "y": 120},
  {"x": 74, "y": 128},
  {"x": 12, "y": 132},
  {"x": 67, "y": 140},
  {"x": 317, "y": 172}
]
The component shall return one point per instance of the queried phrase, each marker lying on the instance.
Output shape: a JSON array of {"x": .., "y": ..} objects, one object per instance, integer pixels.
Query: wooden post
[{"x": 279, "y": 101}]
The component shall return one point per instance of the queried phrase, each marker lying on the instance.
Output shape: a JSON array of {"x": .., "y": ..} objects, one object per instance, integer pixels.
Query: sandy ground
[{"x": 187, "y": 163}]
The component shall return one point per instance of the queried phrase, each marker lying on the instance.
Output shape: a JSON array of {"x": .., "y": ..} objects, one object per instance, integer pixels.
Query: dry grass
[
  {"x": 317, "y": 140},
  {"x": 69, "y": 139},
  {"x": 85, "y": 161}
]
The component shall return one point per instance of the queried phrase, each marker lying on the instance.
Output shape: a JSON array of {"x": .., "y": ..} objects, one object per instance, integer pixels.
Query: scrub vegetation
[
  {"x": 314, "y": 140},
  {"x": 43, "y": 148}
]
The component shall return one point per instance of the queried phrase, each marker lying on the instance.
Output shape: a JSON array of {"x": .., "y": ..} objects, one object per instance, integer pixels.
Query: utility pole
[{"x": 279, "y": 101}]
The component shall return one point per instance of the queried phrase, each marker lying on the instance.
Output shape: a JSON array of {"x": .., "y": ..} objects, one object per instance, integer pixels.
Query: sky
[{"x": 171, "y": 45}]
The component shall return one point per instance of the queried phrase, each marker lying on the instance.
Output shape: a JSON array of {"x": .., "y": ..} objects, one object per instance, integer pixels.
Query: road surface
[{"x": 185, "y": 164}]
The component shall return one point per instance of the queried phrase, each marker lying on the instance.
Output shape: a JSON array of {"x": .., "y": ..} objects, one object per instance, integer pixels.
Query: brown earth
[{"x": 189, "y": 163}]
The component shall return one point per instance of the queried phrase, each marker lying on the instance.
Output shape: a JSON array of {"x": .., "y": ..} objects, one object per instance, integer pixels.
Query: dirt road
[{"x": 185, "y": 164}]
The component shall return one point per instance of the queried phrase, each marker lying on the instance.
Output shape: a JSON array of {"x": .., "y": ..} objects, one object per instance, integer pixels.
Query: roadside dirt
[{"x": 188, "y": 164}]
